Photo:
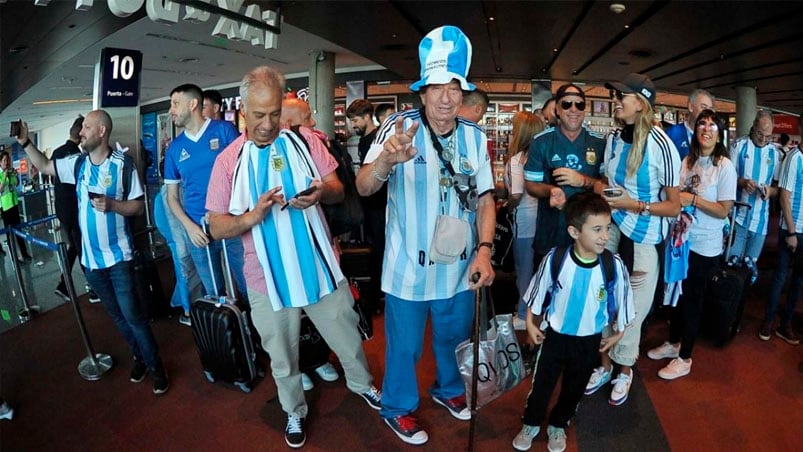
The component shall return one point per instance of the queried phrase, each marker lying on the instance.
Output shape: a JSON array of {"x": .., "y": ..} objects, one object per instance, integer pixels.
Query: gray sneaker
[
  {"x": 557, "y": 439},
  {"x": 524, "y": 440}
]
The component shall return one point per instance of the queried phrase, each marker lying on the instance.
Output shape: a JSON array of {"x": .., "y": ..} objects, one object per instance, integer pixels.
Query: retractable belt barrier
[{"x": 94, "y": 365}]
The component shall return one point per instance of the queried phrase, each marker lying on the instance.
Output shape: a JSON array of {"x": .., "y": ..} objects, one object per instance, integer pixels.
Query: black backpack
[{"x": 608, "y": 269}]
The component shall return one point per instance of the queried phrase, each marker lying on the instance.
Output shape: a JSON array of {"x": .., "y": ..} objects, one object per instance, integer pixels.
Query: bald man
[{"x": 100, "y": 176}]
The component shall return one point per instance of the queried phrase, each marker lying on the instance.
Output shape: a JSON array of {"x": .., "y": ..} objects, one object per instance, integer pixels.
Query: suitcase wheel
[
  {"x": 243, "y": 387},
  {"x": 209, "y": 376}
]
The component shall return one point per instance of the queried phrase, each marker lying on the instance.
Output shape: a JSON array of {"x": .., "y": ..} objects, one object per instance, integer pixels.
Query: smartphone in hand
[
  {"x": 307, "y": 192},
  {"x": 16, "y": 128},
  {"x": 93, "y": 195},
  {"x": 612, "y": 192}
]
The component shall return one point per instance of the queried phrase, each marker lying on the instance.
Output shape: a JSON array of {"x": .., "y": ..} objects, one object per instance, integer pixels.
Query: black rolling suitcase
[
  {"x": 222, "y": 333},
  {"x": 148, "y": 286},
  {"x": 723, "y": 305}
]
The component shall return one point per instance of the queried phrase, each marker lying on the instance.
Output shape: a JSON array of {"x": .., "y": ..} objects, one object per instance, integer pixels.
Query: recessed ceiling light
[
  {"x": 492, "y": 18},
  {"x": 617, "y": 8}
]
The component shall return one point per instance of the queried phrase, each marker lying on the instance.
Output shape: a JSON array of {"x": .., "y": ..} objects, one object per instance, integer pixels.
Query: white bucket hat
[{"x": 445, "y": 55}]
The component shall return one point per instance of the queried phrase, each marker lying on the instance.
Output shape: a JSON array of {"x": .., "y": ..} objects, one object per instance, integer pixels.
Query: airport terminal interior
[{"x": 745, "y": 395}]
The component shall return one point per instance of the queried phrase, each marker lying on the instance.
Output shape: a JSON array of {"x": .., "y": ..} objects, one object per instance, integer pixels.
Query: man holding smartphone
[
  {"x": 107, "y": 246},
  {"x": 561, "y": 161}
]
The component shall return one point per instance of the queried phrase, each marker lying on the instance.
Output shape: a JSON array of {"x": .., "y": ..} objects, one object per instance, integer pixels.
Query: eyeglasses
[
  {"x": 567, "y": 104},
  {"x": 707, "y": 125},
  {"x": 617, "y": 94}
]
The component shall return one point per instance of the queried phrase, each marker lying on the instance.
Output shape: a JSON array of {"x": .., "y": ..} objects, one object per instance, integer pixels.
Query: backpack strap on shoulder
[
  {"x": 559, "y": 254},
  {"x": 609, "y": 272}
]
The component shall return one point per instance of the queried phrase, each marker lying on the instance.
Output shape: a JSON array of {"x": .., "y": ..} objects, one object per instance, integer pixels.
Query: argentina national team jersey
[
  {"x": 413, "y": 207},
  {"x": 792, "y": 181},
  {"x": 189, "y": 161},
  {"x": 762, "y": 165},
  {"x": 579, "y": 307},
  {"x": 660, "y": 168},
  {"x": 104, "y": 236}
]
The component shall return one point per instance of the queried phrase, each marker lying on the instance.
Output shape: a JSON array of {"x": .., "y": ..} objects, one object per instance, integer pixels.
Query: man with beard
[
  {"x": 188, "y": 162},
  {"x": 108, "y": 190}
]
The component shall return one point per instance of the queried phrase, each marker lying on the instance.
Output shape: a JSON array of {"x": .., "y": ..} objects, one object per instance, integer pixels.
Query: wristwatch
[
  {"x": 488, "y": 244},
  {"x": 646, "y": 211}
]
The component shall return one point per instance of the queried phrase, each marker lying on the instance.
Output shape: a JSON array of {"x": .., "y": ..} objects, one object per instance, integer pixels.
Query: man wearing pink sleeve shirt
[{"x": 262, "y": 188}]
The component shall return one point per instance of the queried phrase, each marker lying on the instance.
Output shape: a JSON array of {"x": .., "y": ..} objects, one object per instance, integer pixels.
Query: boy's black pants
[{"x": 576, "y": 357}]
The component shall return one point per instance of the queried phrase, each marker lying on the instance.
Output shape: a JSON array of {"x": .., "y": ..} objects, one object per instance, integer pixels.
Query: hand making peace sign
[{"x": 399, "y": 148}]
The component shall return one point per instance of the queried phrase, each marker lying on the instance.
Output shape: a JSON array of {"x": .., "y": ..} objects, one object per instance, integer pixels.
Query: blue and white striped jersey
[
  {"x": 579, "y": 305},
  {"x": 660, "y": 168},
  {"x": 792, "y": 181},
  {"x": 105, "y": 239},
  {"x": 763, "y": 166},
  {"x": 416, "y": 199}
]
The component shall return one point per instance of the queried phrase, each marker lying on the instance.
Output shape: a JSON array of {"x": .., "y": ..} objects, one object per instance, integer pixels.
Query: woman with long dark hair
[
  {"x": 642, "y": 167},
  {"x": 708, "y": 190}
]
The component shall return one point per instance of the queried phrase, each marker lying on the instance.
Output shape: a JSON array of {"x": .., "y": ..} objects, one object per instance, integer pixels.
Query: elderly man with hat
[
  {"x": 562, "y": 161},
  {"x": 440, "y": 225}
]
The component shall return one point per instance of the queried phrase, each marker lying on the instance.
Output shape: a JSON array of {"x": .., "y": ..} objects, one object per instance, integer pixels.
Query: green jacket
[{"x": 8, "y": 198}]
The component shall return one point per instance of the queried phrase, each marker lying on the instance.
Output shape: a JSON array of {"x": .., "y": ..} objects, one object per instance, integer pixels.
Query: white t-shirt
[{"x": 712, "y": 183}]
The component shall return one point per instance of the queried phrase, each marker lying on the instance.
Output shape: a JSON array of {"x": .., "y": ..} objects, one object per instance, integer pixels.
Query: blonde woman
[
  {"x": 525, "y": 206},
  {"x": 641, "y": 174}
]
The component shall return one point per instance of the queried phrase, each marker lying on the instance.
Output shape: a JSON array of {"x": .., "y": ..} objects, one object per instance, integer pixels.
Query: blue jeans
[
  {"x": 523, "y": 259},
  {"x": 234, "y": 249},
  {"x": 753, "y": 241},
  {"x": 115, "y": 287},
  {"x": 188, "y": 284},
  {"x": 405, "y": 322},
  {"x": 785, "y": 258}
]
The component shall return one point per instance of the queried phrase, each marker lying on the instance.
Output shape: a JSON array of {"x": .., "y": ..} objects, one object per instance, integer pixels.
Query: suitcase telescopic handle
[
  {"x": 736, "y": 206},
  {"x": 228, "y": 281}
]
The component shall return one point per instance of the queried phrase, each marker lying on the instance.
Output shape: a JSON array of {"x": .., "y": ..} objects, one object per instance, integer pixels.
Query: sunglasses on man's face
[{"x": 567, "y": 104}]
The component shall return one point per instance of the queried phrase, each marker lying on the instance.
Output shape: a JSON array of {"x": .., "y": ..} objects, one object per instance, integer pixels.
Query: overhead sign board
[{"x": 119, "y": 77}]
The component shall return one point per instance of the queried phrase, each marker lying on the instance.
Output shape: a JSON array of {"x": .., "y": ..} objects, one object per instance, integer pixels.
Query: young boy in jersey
[{"x": 568, "y": 314}]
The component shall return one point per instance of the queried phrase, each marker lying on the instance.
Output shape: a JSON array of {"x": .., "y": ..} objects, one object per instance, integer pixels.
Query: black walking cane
[{"x": 475, "y": 363}]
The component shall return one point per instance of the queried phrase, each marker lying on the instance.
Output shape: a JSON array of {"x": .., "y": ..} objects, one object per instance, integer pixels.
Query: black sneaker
[
  {"x": 93, "y": 297},
  {"x": 786, "y": 333},
  {"x": 61, "y": 290},
  {"x": 766, "y": 331},
  {"x": 294, "y": 434},
  {"x": 407, "y": 429},
  {"x": 160, "y": 383},
  {"x": 373, "y": 397},
  {"x": 139, "y": 371},
  {"x": 185, "y": 319}
]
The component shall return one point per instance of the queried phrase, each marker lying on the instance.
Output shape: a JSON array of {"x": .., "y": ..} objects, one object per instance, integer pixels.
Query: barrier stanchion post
[
  {"x": 27, "y": 311},
  {"x": 94, "y": 365}
]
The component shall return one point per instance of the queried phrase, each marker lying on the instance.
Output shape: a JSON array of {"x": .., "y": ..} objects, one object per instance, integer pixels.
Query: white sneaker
[
  {"x": 621, "y": 388},
  {"x": 327, "y": 372},
  {"x": 663, "y": 351},
  {"x": 675, "y": 369},
  {"x": 598, "y": 379},
  {"x": 524, "y": 440},
  {"x": 519, "y": 324},
  {"x": 557, "y": 439},
  {"x": 306, "y": 382}
]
